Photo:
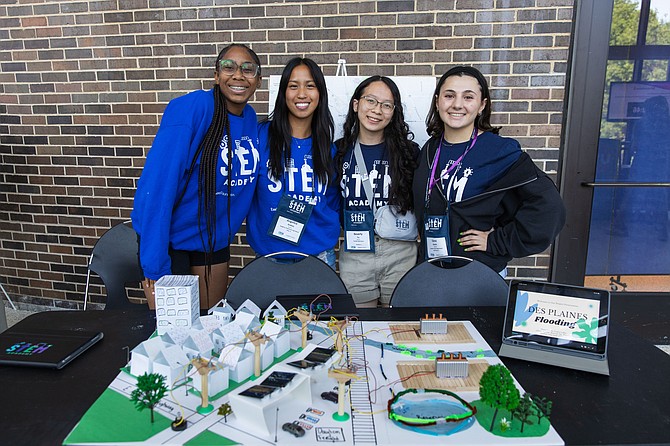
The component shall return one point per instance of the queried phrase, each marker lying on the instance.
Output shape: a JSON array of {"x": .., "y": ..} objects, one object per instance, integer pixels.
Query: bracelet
[{"x": 471, "y": 410}]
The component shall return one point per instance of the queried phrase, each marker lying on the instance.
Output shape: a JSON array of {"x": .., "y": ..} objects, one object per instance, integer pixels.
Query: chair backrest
[
  {"x": 264, "y": 279},
  {"x": 450, "y": 282},
  {"x": 115, "y": 259}
]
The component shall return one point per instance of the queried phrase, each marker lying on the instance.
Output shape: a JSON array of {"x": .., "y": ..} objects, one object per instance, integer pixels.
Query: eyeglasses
[
  {"x": 229, "y": 67},
  {"x": 371, "y": 102}
]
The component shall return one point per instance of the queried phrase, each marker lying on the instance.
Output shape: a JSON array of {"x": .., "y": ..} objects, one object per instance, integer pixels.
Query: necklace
[{"x": 299, "y": 142}]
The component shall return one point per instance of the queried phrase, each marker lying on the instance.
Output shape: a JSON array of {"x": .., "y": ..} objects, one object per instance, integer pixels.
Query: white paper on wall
[{"x": 416, "y": 93}]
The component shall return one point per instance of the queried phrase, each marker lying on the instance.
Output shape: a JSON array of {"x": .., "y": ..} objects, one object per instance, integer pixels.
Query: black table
[
  {"x": 632, "y": 406},
  {"x": 41, "y": 406}
]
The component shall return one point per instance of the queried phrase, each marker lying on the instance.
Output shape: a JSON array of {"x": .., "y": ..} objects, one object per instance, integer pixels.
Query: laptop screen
[
  {"x": 322, "y": 305},
  {"x": 560, "y": 316}
]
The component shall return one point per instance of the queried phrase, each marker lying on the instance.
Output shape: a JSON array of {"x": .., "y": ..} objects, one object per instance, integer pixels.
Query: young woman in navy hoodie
[
  {"x": 296, "y": 206},
  {"x": 199, "y": 178},
  {"x": 476, "y": 194}
]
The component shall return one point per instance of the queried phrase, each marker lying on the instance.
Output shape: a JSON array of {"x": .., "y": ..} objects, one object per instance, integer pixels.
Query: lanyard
[{"x": 432, "y": 181}]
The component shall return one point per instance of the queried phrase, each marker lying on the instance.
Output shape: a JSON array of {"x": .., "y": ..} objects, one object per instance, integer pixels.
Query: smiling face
[
  {"x": 373, "y": 120},
  {"x": 302, "y": 95},
  {"x": 236, "y": 88},
  {"x": 458, "y": 103}
]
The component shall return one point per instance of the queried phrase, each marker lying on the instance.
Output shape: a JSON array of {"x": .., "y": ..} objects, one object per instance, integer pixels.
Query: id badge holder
[
  {"x": 436, "y": 230},
  {"x": 290, "y": 219},
  {"x": 359, "y": 231}
]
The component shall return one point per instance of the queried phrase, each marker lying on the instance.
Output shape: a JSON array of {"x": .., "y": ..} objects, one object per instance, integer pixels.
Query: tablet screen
[{"x": 563, "y": 316}]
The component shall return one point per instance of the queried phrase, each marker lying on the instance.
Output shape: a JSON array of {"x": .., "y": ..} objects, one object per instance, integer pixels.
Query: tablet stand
[{"x": 566, "y": 360}]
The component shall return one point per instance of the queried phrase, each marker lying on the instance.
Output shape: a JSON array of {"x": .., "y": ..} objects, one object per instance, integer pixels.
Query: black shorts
[
  {"x": 182, "y": 261},
  {"x": 196, "y": 258}
]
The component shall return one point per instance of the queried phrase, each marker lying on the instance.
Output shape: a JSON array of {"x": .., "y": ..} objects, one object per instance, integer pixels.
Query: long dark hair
[
  {"x": 208, "y": 153},
  {"x": 398, "y": 140},
  {"x": 434, "y": 124},
  {"x": 322, "y": 125}
]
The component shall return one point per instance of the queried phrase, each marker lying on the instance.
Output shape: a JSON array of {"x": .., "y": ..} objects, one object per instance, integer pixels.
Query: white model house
[
  {"x": 222, "y": 311},
  {"x": 275, "y": 313}
]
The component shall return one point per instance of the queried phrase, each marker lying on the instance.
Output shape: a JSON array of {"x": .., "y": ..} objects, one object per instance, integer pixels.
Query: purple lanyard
[{"x": 436, "y": 160}]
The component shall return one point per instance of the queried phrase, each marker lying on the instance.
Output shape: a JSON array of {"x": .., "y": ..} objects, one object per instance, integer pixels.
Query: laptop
[
  {"x": 52, "y": 349},
  {"x": 561, "y": 325},
  {"x": 322, "y": 305}
]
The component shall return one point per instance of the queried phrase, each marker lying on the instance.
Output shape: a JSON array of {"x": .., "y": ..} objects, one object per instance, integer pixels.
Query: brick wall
[{"x": 83, "y": 85}]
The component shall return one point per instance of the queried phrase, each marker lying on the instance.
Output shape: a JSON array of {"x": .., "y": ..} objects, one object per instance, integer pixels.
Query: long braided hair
[
  {"x": 217, "y": 137},
  {"x": 398, "y": 138}
]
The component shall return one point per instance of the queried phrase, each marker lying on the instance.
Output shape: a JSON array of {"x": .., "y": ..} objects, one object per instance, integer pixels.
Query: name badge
[
  {"x": 436, "y": 233},
  {"x": 290, "y": 220},
  {"x": 359, "y": 231}
]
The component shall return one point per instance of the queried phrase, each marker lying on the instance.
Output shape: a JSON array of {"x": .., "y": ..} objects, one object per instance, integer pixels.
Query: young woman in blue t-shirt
[{"x": 296, "y": 205}]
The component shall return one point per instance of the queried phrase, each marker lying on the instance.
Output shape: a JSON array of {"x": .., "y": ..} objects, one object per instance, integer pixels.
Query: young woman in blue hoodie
[
  {"x": 296, "y": 206},
  {"x": 199, "y": 178}
]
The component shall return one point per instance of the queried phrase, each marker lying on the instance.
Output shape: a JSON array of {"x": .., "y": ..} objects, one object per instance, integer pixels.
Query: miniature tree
[
  {"x": 225, "y": 410},
  {"x": 497, "y": 389},
  {"x": 543, "y": 406},
  {"x": 524, "y": 410},
  {"x": 150, "y": 390}
]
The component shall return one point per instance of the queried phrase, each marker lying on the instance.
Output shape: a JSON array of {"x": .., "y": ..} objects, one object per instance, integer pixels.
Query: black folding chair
[
  {"x": 450, "y": 281},
  {"x": 115, "y": 259},
  {"x": 264, "y": 278}
]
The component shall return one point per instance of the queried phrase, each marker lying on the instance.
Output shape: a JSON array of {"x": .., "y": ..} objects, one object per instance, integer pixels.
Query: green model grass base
[
  {"x": 485, "y": 414},
  {"x": 208, "y": 438},
  {"x": 113, "y": 418}
]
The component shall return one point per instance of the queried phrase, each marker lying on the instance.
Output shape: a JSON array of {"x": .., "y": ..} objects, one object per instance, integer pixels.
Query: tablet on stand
[{"x": 556, "y": 324}]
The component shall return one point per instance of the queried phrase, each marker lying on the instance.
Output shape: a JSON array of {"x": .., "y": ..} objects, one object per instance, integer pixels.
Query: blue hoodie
[
  {"x": 323, "y": 228},
  {"x": 155, "y": 218}
]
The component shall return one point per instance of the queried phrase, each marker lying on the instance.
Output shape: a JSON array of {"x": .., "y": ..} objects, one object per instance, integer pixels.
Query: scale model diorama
[{"x": 299, "y": 376}]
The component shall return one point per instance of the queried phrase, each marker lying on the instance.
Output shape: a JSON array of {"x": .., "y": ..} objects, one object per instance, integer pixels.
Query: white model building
[
  {"x": 142, "y": 357},
  {"x": 246, "y": 319},
  {"x": 251, "y": 307},
  {"x": 171, "y": 363},
  {"x": 222, "y": 311},
  {"x": 177, "y": 302},
  {"x": 217, "y": 380},
  {"x": 278, "y": 313},
  {"x": 279, "y": 335},
  {"x": 244, "y": 367}
]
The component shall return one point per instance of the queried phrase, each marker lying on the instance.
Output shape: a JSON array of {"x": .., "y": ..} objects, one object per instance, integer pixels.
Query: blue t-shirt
[
  {"x": 300, "y": 182},
  {"x": 155, "y": 218},
  {"x": 483, "y": 165},
  {"x": 379, "y": 171}
]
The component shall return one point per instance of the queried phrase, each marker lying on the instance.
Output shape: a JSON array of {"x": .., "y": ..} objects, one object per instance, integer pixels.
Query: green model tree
[
  {"x": 497, "y": 389},
  {"x": 524, "y": 410},
  {"x": 543, "y": 406},
  {"x": 150, "y": 390},
  {"x": 225, "y": 410}
]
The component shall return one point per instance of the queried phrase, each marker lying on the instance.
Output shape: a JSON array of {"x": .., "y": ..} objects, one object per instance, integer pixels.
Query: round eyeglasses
[
  {"x": 248, "y": 69},
  {"x": 372, "y": 102}
]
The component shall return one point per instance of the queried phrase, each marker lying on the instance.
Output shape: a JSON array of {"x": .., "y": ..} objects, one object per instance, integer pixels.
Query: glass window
[
  {"x": 630, "y": 217},
  {"x": 657, "y": 33}
]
